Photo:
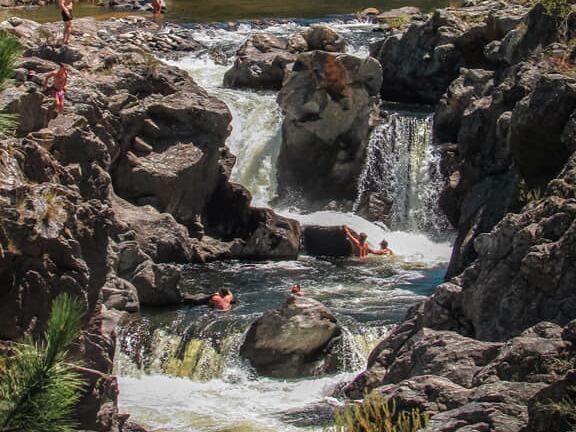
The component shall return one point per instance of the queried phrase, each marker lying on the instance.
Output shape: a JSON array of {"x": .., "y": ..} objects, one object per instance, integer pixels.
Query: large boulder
[
  {"x": 292, "y": 341},
  {"x": 324, "y": 38},
  {"x": 327, "y": 100},
  {"x": 261, "y": 62},
  {"x": 264, "y": 60},
  {"x": 326, "y": 241}
]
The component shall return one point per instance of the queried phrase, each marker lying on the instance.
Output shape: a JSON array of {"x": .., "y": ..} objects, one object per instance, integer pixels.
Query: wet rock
[
  {"x": 325, "y": 241},
  {"x": 292, "y": 341},
  {"x": 327, "y": 100}
]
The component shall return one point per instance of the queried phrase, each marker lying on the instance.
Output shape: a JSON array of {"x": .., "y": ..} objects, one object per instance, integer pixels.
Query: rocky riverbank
[
  {"x": 494, "y": 346},
  {"x": 105, "y": 200}
]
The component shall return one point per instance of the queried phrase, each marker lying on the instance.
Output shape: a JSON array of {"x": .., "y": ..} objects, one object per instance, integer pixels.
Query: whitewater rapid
[{"x": 367, "y": 298}]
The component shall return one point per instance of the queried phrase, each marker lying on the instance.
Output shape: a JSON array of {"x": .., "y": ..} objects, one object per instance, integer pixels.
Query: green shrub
[
  {"x": 10, "y": 50},
  {"x": 39, "y": 388},
  {"x": 378, "y": 414},
  {"x": 558, "y": 8}
]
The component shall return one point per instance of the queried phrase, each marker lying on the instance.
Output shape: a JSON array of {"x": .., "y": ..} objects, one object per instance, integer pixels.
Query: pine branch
[{"x": 40, "y": 389}]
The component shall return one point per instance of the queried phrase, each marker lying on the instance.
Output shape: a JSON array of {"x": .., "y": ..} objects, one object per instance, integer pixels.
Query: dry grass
[{"x": 378, "y": 414}]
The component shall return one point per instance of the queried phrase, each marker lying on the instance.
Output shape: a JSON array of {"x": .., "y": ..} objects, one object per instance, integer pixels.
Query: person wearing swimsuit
[
  {"x": 66, "y": 12},
  {"x": 58, "y": 87}
]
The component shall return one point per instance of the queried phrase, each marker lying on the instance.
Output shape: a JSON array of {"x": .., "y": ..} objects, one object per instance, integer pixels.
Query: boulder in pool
[
  {"x": 325, "y": 241},
  {"x": 294, "y": 341}
]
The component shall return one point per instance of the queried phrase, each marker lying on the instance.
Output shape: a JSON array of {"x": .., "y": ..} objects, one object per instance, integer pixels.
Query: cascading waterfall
[
  {"x": 180, "y": 371},
  {"x": 403, "y": 167}
]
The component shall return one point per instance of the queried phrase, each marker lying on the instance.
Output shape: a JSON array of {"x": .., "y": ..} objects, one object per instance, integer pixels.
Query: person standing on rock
[
  {"x": 157, "y": 6},
  {"x": 66, "y": 12},
  {"x": 58, "y": 87}
]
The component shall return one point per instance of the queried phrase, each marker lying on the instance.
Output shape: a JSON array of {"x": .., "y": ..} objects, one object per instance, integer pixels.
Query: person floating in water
[
  {"x": 384, "y": 249},
  {"x": 297, "y": 291},
  {"x": 362, "y": 247},
  {"x": 360, "y": 244},
  {"x": 222, "y": 300},
  {"x": 58, "y": 87},
  {"x": 66, "y": 12}
]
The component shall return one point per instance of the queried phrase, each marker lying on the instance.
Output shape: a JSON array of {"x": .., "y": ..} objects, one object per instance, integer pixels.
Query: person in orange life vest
[{"x": 360, "y": 244}]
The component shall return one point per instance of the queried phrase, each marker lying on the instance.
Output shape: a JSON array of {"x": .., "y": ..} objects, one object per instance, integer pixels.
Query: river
[
  {"x": 179, "y": 368},
  {"x": 202, "y": 11}
]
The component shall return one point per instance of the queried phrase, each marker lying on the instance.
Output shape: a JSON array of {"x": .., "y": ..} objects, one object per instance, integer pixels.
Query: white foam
[
  {"x": 407, "y": 245},
  {"x": 178, "y": 404}
]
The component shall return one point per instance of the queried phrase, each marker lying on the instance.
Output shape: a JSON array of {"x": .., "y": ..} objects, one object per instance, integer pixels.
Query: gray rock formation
[
  {"x": 327, "y": 100},
  {"x": 505, "y": 134},
  {"x": 264, "y": 60},
  {"x": 496, "y": 328},
  {"x": 293, "y": 341},
  {"x": 420, "y": 61},
  {"x": 103, "y": 200}
]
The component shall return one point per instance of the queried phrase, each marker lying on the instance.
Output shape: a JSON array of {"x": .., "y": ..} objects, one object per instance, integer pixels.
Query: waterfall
[{"x": 402, "y": 170}]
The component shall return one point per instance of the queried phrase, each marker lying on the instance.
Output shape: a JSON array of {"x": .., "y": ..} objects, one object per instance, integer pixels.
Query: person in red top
[
  {"x": 222, "y": 300},
  {"x": 362, "y": 248},
  {"x": 297, "y": 291}
]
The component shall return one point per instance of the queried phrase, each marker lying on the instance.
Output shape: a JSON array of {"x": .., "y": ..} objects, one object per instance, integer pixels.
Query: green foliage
[
  {"x": 40, "y": 388},
  {"x": 566, "y": 408},
  {"x": 10, "y": 50},
  {"x": 558, "y": 8},
  {"x": 399, "y": 23},
  {"x": 377, "y": 414}
]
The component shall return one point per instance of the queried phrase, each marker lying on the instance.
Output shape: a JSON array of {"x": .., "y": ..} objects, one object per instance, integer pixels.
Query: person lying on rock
[
  {"x": 384, "y": 249},
  {"x": 360, "y": 244},
  {"x": 66, "y": 12},
  {"x": 222, "y": 300},
  {"x": 58, "y": 87},
  {"x": 297, "y": 291}
]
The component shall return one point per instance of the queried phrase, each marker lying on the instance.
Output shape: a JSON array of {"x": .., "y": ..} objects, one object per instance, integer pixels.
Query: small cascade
[{"x": 402, "y": 169}]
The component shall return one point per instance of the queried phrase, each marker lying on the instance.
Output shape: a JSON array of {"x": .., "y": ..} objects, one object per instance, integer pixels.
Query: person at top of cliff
[
  {"x": 297, "y": 291},
  {"x": 222, "y": 300},
  {"x": 66, "y": 12},
  {"x": 157, "y": 6},
  {"x": 58, "y": 87},
  {"x": 360, "y": 243},
  {"x": 384, "y": 249}
]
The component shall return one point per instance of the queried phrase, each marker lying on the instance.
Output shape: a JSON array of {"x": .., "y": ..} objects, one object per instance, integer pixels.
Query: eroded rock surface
[
  {"x": 327, "y": 100},
  {"x": 293, "y": 341}
]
